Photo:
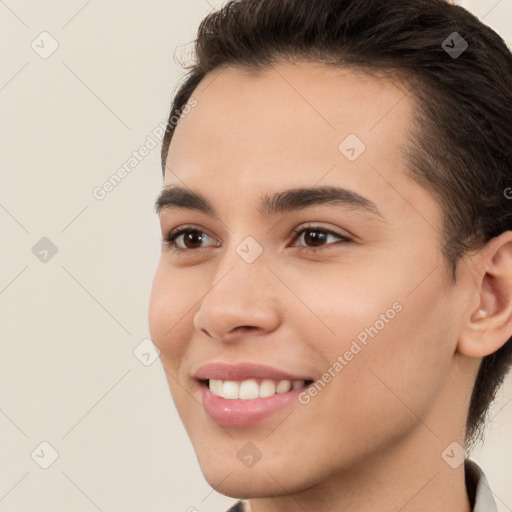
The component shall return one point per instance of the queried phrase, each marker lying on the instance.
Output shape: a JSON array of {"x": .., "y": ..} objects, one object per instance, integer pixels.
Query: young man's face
[{"x": 375, "y": 319}]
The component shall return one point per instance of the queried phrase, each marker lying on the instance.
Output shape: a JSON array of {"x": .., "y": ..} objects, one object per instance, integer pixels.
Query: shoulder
[{"x": 477, "y": 487}]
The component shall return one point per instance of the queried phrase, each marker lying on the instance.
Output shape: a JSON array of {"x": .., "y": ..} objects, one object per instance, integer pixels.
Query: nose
[{"x": 241, "y": 299}]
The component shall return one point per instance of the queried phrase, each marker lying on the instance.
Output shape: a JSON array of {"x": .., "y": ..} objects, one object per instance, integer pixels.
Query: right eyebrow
[{"x": 172, "y": 197}]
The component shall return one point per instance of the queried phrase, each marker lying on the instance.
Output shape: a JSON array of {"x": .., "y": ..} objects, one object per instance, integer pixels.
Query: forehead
[{"x": 293, "y": 125}]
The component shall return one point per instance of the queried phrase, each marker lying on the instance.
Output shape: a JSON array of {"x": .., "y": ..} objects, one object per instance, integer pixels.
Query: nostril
[{"x": 245, "y": 328}]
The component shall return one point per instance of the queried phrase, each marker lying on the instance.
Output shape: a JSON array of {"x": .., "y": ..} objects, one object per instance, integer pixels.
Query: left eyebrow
[{"x": 176, "y": 197}]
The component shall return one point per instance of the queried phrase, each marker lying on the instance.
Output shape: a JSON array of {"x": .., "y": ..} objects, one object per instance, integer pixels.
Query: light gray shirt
[{"x": 477, "y": 487}]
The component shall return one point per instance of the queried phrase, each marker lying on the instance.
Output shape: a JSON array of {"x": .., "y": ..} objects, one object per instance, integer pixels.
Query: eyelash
[{"x": 170, "y": 241}]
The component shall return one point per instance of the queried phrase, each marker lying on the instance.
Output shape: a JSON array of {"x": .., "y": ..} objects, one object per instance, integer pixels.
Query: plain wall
[{"x": 70, "y": 325}]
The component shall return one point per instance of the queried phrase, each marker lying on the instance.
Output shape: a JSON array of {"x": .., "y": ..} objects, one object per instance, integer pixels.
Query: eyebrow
[{"x": 177, "y": 197}]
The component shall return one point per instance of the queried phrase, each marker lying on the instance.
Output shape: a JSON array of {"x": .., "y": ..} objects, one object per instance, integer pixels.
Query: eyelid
[
  {"x": 342, "y": 233},
  {"x": 343, "y": 239}
]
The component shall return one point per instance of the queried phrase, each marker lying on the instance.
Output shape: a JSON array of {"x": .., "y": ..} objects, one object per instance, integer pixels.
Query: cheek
[
  {"x": 170, "y": 317},
  {"x": 336, "y": 304},
  {"x": 403, "y": 364},
  {"x": 395, "y": 345}
]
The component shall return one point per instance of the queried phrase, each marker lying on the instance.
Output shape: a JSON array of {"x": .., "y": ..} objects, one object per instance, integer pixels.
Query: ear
[{"x": 489, "y": 325}]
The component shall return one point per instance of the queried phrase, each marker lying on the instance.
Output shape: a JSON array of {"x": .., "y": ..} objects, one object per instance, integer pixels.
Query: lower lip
[{"x": 243, "y": 413}]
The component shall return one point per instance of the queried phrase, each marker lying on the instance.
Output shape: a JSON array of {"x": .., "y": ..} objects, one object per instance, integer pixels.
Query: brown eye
[
  {"x": 192, "y": 239},
  {"x": 317, "y": 238},
  {"x": 186, "y": 239}
]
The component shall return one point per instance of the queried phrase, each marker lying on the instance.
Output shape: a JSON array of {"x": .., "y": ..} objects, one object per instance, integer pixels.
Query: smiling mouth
[{"x": 252, "y": 389}]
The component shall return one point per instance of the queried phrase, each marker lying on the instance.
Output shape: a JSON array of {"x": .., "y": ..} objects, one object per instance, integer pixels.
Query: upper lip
[{"x": 243, "y": 371}]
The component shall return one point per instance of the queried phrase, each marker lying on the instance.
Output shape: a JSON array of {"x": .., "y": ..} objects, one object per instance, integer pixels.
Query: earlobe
[{"x": 489, "y": 325}]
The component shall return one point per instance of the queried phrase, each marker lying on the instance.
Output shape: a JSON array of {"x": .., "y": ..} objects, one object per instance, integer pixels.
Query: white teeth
[
  {"x": 284, "y": 386},
  {"x": 250, "y": 389},
  {"x": 230, "y": 390},
  {"x": 216, "y": 387},
  {"x": 267, "y": 388}
]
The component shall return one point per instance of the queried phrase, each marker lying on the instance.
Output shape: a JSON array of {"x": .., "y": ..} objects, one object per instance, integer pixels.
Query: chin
[
  {"x": 267, "y": 478},
  {"x": 247, "y": 484}
]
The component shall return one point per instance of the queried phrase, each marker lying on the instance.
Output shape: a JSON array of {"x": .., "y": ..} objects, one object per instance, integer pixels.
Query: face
[{"x": 339, "y": 288}]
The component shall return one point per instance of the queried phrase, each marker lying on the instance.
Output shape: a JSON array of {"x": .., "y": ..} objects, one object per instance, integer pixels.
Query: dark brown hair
[{"x": 461, "y": 143}]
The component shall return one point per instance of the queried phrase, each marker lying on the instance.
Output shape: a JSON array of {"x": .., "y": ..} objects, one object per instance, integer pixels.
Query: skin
[{"x": 372, "y": 439}]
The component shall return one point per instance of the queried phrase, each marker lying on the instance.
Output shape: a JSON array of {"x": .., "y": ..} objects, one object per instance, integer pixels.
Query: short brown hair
[{"x": 461, "y": 148}]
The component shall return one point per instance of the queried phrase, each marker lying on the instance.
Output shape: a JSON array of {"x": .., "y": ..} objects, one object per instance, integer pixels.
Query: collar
[{"x": 477, "y": 487}]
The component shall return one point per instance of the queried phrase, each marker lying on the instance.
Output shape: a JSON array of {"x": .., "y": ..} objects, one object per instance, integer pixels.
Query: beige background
[{"x": 69, "y": 326}]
